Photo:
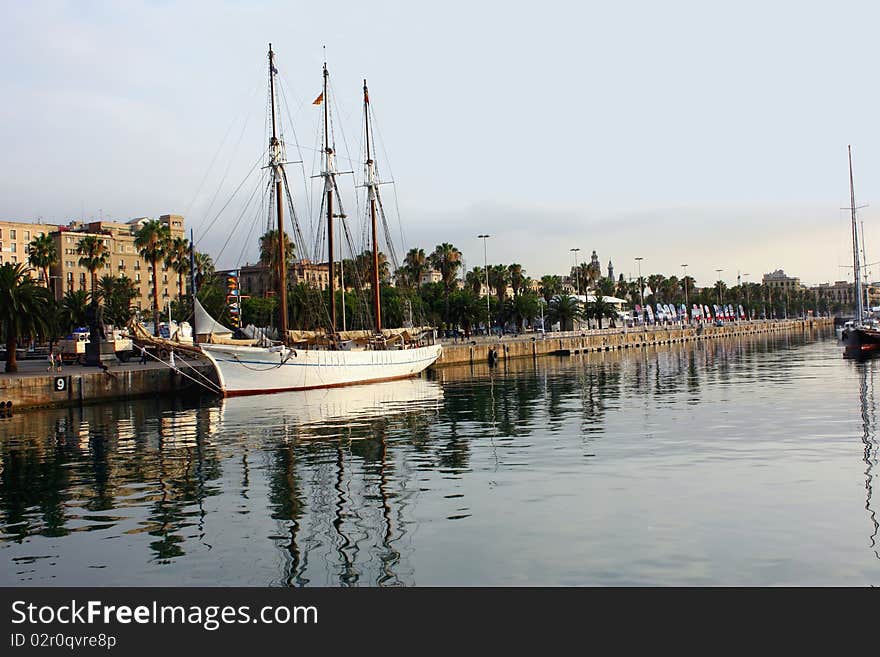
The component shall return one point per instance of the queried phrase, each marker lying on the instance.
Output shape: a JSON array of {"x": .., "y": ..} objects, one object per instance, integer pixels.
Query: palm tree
[
  {"x": 42, "y": 255},
  {"x": 269, "y": 254},
  {"x": 475, "y": 279},
  {"x": 94, "y": 255},
  {"x": 151, "y": 240},
  {"x": 605, "y": 286},
  {"x": 25, "y": 309},
  {"x": 415, "y": 264},
  {"x": 564, "y": 309},
  {"x": 177, "y": 257},
  {"x": 204, "y": 267},
  {"x": 73, "y": 309},
  {"x": 599, "y": 309},
  {"x": 499, "y": 277},
  {"x": 118, "y": 293},
  {"x": 524, "y": 307},
  {"x": 655, "y": 282},
  {"x": 550, "y": 287},
  {"x": 516, "y": 275},
  {"x": 446, "y": 259}
]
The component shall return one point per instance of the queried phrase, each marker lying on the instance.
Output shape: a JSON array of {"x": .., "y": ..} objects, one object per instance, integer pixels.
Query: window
[
  {"x": 12, "y": 233},
  {"x": 12, "y": 247},
  {"x": 27, "y": 235},
  {"x": 14, "y": 259},
  {"x": 69, "y": 240},
  {"x": 137, "y": 278}
]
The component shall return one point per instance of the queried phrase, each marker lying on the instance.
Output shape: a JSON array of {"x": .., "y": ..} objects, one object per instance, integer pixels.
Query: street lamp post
[
  {"x": 576, "y": 276},
  {"x": 720, "y": 298},
  {"x": 486, "y": 268},
  {"x": 686, "y": 306},
  {"x": 748, "y": 310},
  {"x": 641, "y": 286}
]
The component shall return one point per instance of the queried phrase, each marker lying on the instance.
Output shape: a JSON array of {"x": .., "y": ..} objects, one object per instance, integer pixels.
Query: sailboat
[
  {"x": 304, "y": 360},
  {"x": 862, "y": 339}
]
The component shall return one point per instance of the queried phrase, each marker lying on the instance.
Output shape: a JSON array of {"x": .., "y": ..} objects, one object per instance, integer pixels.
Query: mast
[
  {"x": 328, "y": 184},
  {"x": 372, "y": 191},
  {"x": 275, "y": 163},
  {"x": 857, "y": 272}
]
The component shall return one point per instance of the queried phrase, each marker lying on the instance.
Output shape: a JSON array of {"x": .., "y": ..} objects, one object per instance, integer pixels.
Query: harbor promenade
[
  {"x": 476, "y": 349},
  {"x": 33, "y": 386}
]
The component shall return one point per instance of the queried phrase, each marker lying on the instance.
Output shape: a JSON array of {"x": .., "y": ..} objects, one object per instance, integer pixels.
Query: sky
[{"x": 681, "y": 132}]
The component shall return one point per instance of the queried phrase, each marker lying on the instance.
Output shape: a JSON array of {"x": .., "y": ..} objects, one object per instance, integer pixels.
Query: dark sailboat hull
[{"x": 861, "y": 343}]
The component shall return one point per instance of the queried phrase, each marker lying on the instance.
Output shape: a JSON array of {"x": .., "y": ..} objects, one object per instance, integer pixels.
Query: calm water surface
[{"x": 739, "y": 462}]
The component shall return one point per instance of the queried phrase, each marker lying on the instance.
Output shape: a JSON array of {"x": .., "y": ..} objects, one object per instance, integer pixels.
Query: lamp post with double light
[
  {"x": 486, "y": 269},
  {"x": 576, "y": 276},
  {"x": 684, "y": 268}
]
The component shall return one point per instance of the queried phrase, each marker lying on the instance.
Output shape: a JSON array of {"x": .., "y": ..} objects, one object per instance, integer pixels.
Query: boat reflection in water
[
  {"x": 338, "y": 497},
  {"x": 330, "y": 412}
]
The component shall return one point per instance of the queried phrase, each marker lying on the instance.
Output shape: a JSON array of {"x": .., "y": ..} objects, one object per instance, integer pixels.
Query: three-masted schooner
[{"x": 301, "y": 361}]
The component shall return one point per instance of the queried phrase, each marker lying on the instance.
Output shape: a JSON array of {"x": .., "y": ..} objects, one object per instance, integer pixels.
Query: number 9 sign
[{"x": 59, "y": 384}]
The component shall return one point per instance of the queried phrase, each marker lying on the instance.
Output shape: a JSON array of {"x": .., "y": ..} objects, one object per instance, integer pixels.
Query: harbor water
[{"x": 741, "y": 461}]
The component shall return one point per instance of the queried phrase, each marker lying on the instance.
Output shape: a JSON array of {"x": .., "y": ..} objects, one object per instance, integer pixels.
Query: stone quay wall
[
  {"x": 611, "y": 339},
  {"x": 79, "y": 385}
]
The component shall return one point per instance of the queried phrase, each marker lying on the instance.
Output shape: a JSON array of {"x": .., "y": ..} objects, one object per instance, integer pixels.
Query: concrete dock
[
  {"x": 33, "y": 386},
  {"x": 575, "y": 342}
]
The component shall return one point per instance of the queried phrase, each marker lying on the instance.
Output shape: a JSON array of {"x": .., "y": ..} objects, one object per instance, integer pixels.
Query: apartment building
[
  {"x": 67, "y": 274},
  {"x": 15, "y": 237}
]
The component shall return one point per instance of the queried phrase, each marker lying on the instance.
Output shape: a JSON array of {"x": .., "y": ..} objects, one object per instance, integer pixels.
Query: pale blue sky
[{"x": 707, "y": 133}]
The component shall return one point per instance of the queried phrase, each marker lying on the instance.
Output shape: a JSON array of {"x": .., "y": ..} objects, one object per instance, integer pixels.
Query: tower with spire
[{"x": 610, "y": 270}]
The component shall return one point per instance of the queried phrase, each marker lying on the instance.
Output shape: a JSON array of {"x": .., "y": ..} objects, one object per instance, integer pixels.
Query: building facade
[
  {"x": 68, "y": 275},
  {"x": 778, "y": 280},
  {"x": 14, "y": 239},
  {"x": 256, "y": 281}
]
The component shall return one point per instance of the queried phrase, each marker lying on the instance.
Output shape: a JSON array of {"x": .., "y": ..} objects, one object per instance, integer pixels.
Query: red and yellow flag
[{"x": 319, "y": 99}]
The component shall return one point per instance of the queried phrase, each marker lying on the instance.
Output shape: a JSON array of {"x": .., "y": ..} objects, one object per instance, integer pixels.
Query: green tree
[
  {"x": 446, "y": 259},
  {"x": 25, "y": 309},
  {"x": 177, "y": 257},
  {"x": 600, "y": 309},
  {"x": 516, "y": 276},
  {"x": 42, "y": 255},
  {"x": 475, "y": 279},
  {"x": 564, "y": 310},
  {"x": 415, "y": 264},
  {"x": 524, "y": 308},
  {"x": 550, "y": 287},
  {"x": 606, "y": 287},
  {"x": 72, "y": 310},
  {"x": 204, "y": 267},
  {"x": 117, "y": 295},
  {"x": 152, "y": 240},
  {"x": 499, "y": 278},
  {"x": 94, "y": 255},
  {"x": 269, "y": 254}
]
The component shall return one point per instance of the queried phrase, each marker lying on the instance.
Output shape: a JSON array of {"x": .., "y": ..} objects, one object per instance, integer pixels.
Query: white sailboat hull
[{"x": 256, "y": 370}]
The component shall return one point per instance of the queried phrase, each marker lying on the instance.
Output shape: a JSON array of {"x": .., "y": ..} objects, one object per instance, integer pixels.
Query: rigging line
[
  {"x": 216, "y": 153},
  {"x": 247, "y": 241},
  {"x": 377, "y": 136},
  {"x": 299, "y": 147},
  {"x": 294, "y": 218},
  {"x": 229, "y": 165},
  {"x": 238, "y": 221},
  {"x": 244, "y": 180}
]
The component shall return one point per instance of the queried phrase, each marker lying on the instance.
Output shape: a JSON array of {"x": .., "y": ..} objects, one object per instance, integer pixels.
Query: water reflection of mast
[
  {"x": 391, "y": 556},
  {"x": 868, "y": 408},
  {"x": 349, "y": 575}
]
